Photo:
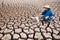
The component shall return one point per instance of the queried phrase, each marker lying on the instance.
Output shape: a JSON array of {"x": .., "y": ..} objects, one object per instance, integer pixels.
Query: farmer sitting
[{"x": 47, "y": 14}]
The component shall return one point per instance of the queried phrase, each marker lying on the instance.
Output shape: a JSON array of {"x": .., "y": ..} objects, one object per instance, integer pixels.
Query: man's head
[{"x": 46, "y": 7}]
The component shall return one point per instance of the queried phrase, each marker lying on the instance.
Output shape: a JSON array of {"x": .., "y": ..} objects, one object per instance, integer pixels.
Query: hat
[{"x": 46, "y": 6}]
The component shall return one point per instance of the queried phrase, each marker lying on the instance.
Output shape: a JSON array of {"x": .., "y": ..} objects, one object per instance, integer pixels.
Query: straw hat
[{"x": 46, "y": 6}]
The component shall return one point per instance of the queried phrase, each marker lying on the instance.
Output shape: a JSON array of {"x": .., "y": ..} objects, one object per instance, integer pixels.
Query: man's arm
[{"x": 43, "y": 12}]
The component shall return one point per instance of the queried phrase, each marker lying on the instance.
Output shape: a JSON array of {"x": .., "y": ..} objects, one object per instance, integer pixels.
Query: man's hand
[{"x": 46, "y": 17}]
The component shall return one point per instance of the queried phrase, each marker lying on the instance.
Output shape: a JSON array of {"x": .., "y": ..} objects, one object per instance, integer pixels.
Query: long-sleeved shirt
[{"x": 48, "y": 14}]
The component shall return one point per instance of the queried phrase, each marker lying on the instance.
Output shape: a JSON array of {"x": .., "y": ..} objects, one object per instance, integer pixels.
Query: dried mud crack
[{"x": 16, "y": 22}]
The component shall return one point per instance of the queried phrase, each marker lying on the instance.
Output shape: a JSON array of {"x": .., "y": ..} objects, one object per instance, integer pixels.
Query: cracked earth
[{"x": 16, "y": 22}]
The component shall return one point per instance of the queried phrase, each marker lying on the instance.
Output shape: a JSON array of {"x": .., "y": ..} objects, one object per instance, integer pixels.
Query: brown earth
[{"x": 16, "y": 22}]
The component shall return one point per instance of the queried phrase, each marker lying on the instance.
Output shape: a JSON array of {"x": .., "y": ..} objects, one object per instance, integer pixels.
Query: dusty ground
[{"x": 16, "y": 22}]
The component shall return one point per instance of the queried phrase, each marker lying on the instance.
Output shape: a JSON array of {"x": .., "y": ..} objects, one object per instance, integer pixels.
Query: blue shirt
[{"x": 48, "y": 13}]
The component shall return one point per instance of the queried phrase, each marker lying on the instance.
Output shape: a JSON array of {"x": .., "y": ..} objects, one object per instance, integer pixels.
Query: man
[{"x": 47, "y": 14}]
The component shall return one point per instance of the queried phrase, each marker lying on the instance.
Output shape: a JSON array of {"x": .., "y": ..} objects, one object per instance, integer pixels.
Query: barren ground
[{"x": 16, "y": 22}]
